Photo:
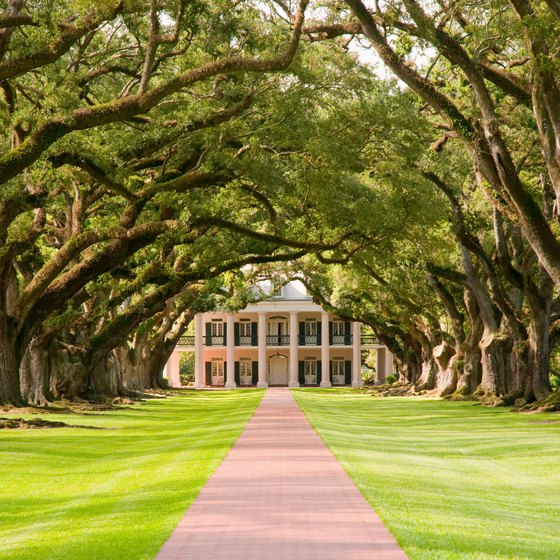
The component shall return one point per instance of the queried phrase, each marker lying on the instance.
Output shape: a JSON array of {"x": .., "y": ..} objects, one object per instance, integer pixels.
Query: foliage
[{"x": 186, "y": 367}]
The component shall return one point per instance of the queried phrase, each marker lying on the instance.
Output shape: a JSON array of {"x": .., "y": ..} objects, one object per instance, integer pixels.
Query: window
[
  {"x": 310, "y": 330},
  {"x": 337, "y": 332},
  {"x": 217, "y": 327},
  {"x": 310, "y": 327},
  {"x": 338, "y": 328},
  {"x": 245, "y": 328}
]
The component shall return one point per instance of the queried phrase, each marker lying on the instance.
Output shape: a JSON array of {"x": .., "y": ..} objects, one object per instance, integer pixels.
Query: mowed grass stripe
[
  {"x": 114, "y": 493},
  {"x": 452, "y": 480}
]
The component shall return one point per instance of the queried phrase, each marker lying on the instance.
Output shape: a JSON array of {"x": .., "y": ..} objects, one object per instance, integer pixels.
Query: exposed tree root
[{"x": 39, "y": 423}]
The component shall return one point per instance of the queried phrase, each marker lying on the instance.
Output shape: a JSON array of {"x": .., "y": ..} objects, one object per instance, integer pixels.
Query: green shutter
[
  {"x": 330, "y": 334},
  {"x": 208, "y": 334},
  {"x": 347, "y": 333},
  {"x": 319, "y": 372},
  {"x": 208, "y": 373},
  {"x": 301, "y": 372},
  {"x": 319, "y": 328},
  {"x": 237, "y": 373},
  {"x": 254, "y": 329},
  {"x": 330, "y": 369},
  {"x": 225, "y": 372},
  {"x": 236, "y": 334},
  {"x": 225, "y": 336},
  {"x": 348, "y": 372},
  {"x": 302, "y": 333},
  {"x": 255, "y": 372}
]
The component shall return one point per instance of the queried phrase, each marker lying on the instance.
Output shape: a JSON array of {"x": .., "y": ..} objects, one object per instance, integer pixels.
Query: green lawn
[
  {"x": 452, "y": 480},
  {"x": 116, "y": 493}
]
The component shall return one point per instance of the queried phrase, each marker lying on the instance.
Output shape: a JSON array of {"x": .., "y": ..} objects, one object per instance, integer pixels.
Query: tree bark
[
  {"x": 10, "y": 392},
  {"x": 35, "y": 372},
  {"x": 446, "y": 378}
]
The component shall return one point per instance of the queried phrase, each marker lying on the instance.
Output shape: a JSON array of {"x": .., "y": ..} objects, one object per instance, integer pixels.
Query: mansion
[{"x": 284, "y": 340}]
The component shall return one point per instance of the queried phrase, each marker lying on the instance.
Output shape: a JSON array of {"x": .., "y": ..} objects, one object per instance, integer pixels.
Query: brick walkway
[{"x": 280, "y": 495}]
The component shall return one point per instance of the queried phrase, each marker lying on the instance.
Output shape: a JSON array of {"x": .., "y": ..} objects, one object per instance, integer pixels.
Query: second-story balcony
[
  {"x": 309, "y": 340},
  {"x": 341, "y": 340},
  {"x": 246, "y": 340},
  {"x": 282, "y": 340},
  {"x": 278, "y": 340}
]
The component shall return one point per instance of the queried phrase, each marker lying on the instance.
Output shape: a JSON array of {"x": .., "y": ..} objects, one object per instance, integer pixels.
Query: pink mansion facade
[{"x": 285, "y": 340}]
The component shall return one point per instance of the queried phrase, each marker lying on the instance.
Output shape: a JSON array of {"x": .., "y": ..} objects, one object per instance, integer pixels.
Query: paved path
[{"x": 280, "y": 495}]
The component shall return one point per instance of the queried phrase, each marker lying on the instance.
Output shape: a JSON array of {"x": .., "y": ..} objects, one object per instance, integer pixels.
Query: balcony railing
[
  {"x": 282, "y": 340},
  {"x": 341, "y": 340},
  {"x": 310, "y": 340},
  {"x": 278, "y": 340},
  {"x": 247, "y": 341}
]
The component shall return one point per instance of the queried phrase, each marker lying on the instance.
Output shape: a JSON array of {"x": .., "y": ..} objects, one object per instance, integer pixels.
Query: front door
[
  {"x": 278, "y": 371},
  {"x": 217, "y": 372},
  {"x": 338, "y": 372},
  {"x": 246, "y": 372},
  {"x": 310, "y": 372}
]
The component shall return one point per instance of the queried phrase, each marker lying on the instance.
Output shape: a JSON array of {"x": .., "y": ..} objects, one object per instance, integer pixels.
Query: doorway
[
  {"x": 278, "y": 370},
  {"x": 278, "y": 326}
]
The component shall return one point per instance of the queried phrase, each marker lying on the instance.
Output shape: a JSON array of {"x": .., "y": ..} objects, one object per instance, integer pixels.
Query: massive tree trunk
[
  {"x": 538, "y": 381},
  {"x": 470, "y": 374},
  {"x": 446, "y": 359},
  {"x": 141, "y": 365},
  {"x": 9, "y": 375},
  {"x": 67, "y": 373},
  {"x": 104, "y": 381},
  {"x": 9, "y": 372},
  {"x": 35, "y": 372},
  {"x": 428, "y": 376},
  {"x": 495, "y": 348}
]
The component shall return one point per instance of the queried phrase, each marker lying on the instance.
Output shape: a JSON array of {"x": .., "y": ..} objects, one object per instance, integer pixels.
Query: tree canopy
[{"x": 154, "y": 155}]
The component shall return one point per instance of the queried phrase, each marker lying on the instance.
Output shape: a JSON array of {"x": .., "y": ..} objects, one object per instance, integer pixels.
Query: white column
[
  {"x": 389, "y": 363},
  {"x": 230, "y": 356},
  {"x": 172, "y": 369},
  {"x": 356, "y": 354},
  {"x": 293, "y": 349},
  {"x": 261, "y": 331},
  {"x": 380, "y": 369},
  {"x": 325, "y": 344},
  {"x": 198, "y": 351}
]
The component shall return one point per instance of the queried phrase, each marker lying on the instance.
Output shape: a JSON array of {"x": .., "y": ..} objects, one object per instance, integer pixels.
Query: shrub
[
  {"x": 391, "y": 379},
  {"x": 368, "y": 376}
]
